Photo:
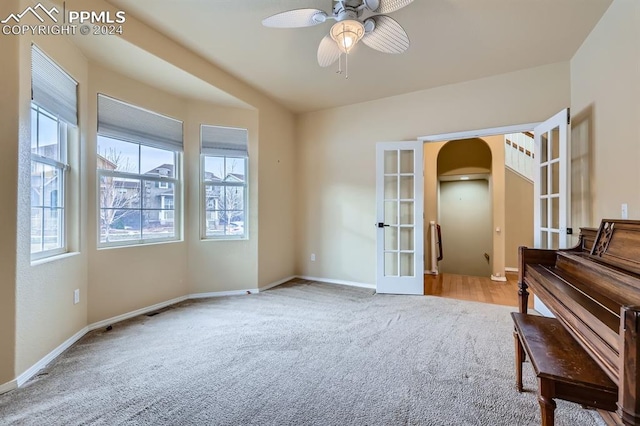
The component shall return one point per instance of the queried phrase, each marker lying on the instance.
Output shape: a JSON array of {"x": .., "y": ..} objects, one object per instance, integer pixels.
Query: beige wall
[
  {"x": 277, "y": 197},
  {"x": 215, "y": 265},
  {"x": 464, "y": 156},
  {"x": 45, "y": 313},
  {"x": 605, "y": 96},
  {"x": 128, "y": 278},
  {"x": 466, "y": 223},
  {"x": 518, "y": 229},
  {"x": 9, "y": 106},
  {"x": 336, "y": 157}
]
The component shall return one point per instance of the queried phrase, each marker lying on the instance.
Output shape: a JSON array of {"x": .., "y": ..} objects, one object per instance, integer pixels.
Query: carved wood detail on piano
[{"x": 603, "y": 239}]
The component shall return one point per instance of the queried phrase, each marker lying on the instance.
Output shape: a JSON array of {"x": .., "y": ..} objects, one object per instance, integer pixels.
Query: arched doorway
[{"x": 465, "y": 207}]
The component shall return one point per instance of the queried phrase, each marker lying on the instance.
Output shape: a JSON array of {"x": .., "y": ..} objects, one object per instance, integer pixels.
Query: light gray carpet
[{"x": 300, "y": 354}]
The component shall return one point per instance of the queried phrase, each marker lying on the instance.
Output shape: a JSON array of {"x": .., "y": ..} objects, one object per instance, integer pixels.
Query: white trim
[
  {"x": 277, "y": 283},
  {"x": 53, "y": 258},
  {"x": 240, "y": 292},
  {"x": 128, "y": 315},
  {"x": 9, "y": 386},
  {"x": 33, "y": 370},
  {"x": 479, "y": 133},
  {"x": 339, "y": 282},
  {"x": 510, "y": 269},
  {"x": 498, "y": 278},
  {"x": 223, "y": 293}
]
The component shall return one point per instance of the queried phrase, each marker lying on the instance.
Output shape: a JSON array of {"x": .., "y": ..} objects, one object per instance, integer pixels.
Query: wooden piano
[{"x": 593, "y": 290}]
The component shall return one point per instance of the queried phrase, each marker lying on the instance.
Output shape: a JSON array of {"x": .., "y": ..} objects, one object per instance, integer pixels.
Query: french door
[
  {"x": 551, "y": 187},
  {"x": 399, "y": 220}
]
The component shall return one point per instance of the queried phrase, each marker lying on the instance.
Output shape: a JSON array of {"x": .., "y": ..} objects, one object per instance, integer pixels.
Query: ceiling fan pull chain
[
  {"x": 339, "y": 64},
  {"x": 346, "y": 66}
]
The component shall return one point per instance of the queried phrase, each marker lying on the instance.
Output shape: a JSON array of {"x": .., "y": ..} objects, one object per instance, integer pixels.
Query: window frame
[
  {"x": 176, "y": 180},
  {"x": 62, "y": 166},
  {"x": 204, "y": 209}
]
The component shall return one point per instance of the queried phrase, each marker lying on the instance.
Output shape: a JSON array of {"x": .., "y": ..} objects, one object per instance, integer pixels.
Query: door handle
[{"x": 382, "y": 224}]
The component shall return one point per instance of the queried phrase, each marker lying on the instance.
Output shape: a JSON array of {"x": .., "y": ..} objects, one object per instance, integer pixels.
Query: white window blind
[
  {"x": 52, "y": 88},
  {"x": 127, "y": 122},
  {"x": 224, "y": 141}
]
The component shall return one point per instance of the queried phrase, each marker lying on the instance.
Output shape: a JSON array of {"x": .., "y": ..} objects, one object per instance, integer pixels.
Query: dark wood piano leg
[
  {"x": 523, "y": 294},
  {"x": 629, "y": 388},
  {"x": 519, "y": 361},
  {"x": 523, "y": 297},
  {"x": 547, "y": 404}
]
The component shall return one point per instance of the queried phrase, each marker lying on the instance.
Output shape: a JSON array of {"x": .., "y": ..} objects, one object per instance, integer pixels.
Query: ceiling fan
[{"x": 355, "y": 20}]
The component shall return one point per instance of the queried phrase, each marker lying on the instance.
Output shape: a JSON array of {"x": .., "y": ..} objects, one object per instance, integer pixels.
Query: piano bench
[{"x": 564, "y": 369}]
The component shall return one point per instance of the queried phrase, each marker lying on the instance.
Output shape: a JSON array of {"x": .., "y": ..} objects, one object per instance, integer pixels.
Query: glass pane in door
[
  {"x": 390, "y": 162},
  {"x": 406, "y": 265},
  {"x": 554, "y": 137},
  {"x": 399, "y": 211},
  {"x": 406, "y": 161},
  {"x": 391, "y": 264}
]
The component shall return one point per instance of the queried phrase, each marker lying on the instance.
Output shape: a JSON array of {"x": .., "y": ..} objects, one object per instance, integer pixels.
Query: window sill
[
  {"x": 137, "y": 244},
  {"x": 54, "y": 258},
  {"x": 207, "y": 239}
]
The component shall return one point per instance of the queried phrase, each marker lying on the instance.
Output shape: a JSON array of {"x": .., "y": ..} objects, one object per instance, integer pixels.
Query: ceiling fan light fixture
[{"x": 347, "y": 34}]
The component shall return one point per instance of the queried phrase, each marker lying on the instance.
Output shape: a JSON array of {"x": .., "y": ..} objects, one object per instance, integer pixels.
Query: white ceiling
[{"x": 451, "y": 41}]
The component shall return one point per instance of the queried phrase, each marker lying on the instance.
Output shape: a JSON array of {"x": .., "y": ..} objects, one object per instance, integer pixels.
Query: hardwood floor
[{"x": 478, "y": 289}]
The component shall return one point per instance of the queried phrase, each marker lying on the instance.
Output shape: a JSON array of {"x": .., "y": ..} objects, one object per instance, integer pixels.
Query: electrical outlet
[
  {"x": 313, "y": 257},
  {"x": 76, "y": 296},
  {"x": 624, "y": 212}
]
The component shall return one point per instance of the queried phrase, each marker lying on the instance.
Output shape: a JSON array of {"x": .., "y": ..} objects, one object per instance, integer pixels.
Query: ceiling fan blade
[
  {"x": 296, "y": 18},
  {"x": 388, "y": 36},
  {"x": 328, "y": 51},
  {"x": 388, "y": 6}
]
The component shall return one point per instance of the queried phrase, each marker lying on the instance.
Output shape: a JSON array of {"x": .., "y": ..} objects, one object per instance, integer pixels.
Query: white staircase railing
[{"x": 519, "y": 153}]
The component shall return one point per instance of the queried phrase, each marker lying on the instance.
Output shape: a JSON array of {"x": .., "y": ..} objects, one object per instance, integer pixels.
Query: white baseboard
[
  {"x": 223, "y": 293},
  {"x": 9, "y": 386},
  {"x": 239, "y": 292},
  {"x": 141, "y": 311},
  {"x": 498, "y": 278},
  {"x": 33, "y": 370},
  {"x": 339, "y": 282},
  {"x": 277, "y": 283},
  {"x": 509, "y": 269}
]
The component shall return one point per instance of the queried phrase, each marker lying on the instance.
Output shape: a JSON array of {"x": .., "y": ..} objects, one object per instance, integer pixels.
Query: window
[
  {"x": 139, "y": 155},
  {"x": 224, "y": 182},
  {"x": 53, "y": 114}
]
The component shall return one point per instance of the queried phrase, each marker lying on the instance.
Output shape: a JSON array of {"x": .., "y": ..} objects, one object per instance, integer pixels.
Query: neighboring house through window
[
  {"x": 53, "y": 113},
  {"x": 138, "y": 171},
  {"x": 224, "y": 182}
]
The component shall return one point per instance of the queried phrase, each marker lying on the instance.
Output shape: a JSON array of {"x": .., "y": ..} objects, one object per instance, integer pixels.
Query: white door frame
[
  {"x": 529, "y": 127},
  {"x": 479, "y": 133},
  {"x": 491, "y": 131}
]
